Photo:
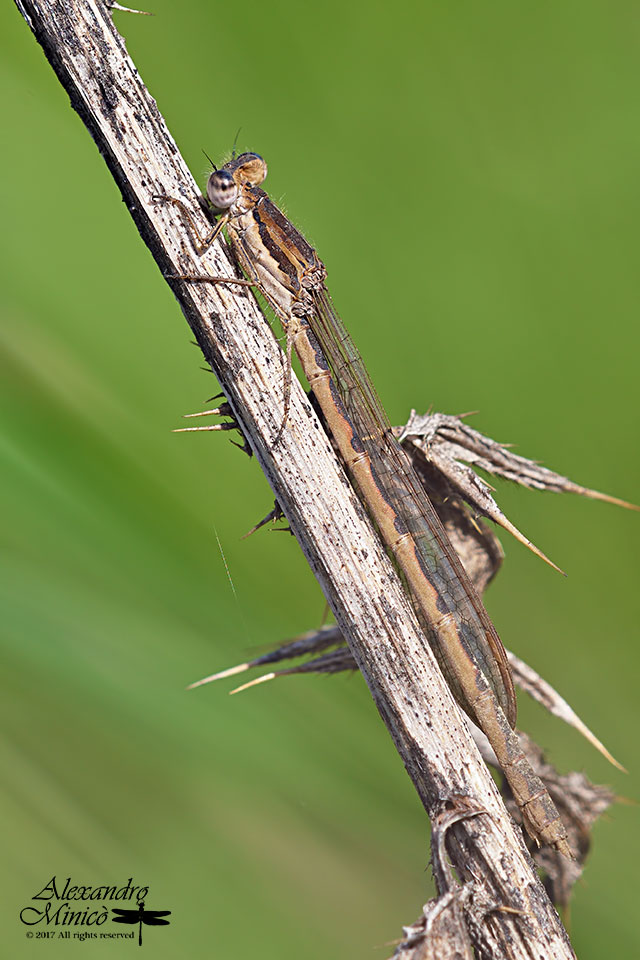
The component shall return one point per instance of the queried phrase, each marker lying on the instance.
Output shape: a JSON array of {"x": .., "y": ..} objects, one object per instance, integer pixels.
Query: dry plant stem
[{"x": 357, "y": 577}]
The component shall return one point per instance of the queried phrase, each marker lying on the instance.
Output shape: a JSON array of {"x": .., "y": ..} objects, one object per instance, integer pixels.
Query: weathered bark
[{"x": 357, "y": 577}]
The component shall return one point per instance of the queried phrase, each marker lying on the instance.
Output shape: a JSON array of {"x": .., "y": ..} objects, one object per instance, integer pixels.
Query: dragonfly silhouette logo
[{"x": 152, "y": 918}]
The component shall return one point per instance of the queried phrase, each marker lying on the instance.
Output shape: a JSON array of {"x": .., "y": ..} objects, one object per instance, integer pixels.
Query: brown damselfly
[{"x": 277, "y": 260}]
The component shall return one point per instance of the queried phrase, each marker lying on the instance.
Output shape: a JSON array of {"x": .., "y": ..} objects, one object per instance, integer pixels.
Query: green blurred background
[{"x": 488, "y": 156}]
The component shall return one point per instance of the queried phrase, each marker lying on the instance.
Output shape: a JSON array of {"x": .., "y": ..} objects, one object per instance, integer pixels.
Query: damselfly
[{"x": 281, "y": 264}]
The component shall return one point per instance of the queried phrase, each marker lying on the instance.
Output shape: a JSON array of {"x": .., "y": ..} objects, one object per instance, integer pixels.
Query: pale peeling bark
[{"x": 357, "y": 577}]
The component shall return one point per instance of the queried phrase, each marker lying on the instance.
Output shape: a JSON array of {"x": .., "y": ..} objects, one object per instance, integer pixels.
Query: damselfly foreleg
[{"x": 201, "y": 245}]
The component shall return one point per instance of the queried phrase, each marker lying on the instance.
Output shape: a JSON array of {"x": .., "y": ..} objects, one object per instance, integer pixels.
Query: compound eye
[{"x": 221, "y": 190}]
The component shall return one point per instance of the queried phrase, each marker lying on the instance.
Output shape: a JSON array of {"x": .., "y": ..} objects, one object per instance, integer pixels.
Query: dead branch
[{"x": 361, "y": 586}]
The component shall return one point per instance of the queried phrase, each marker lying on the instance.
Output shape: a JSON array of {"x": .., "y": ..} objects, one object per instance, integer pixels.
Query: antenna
[
  {"x": 213, "y": 166},
  {"x": 235, "y": 143}
]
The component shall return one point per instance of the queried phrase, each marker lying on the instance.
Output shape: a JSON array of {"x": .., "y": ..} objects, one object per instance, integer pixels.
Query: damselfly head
[
  {"x": 247, "y": 168},
  {"x": 222, "y": 190}
]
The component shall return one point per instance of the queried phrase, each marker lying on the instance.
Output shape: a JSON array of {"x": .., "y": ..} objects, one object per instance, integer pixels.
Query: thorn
[
  {"x": 217, "y": 412},
  {"x": 596, "y": 495},
  {"x": 275, "y": 515},
  {"x": 207, "y": 429},
  {"x": 254, "y": 683},
  {"x": 593, "y": 740},
  {"x": 245, "y": 447},
  {"x": 116, "y": 6},
  {"x": 527, "y": 543},
  {"x": 474, "y": 521},
  {"x": 229, "y": 672},
  {"x": 501, "y": 908}
]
